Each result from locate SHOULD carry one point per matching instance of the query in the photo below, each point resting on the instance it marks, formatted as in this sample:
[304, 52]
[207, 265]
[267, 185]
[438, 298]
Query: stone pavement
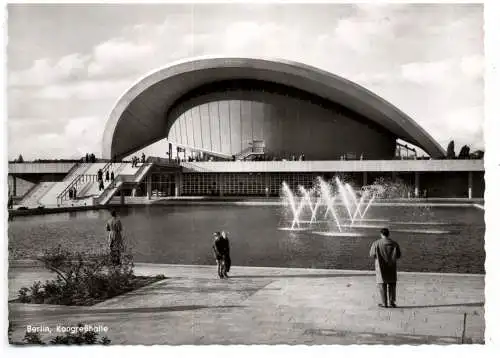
[271, 306]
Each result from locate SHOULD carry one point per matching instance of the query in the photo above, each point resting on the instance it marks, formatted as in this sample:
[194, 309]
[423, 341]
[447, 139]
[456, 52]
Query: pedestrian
[101, 184]
[99, 175]
[227, 256]
[386, 252]
[10, 203]
[143, 158]
[107, 175]
[112, 175]
[115, 239]
[219, 248]
[86, 157]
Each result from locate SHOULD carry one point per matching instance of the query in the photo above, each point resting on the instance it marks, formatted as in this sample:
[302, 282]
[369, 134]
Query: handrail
[74, 182]
[249, 151]
[82, 177]
[111, 185]
[73, 168]
[120, 178]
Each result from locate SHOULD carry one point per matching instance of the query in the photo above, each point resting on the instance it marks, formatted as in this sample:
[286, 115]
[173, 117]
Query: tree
[478, 154]
[450, 152]
[464, 152]
[20, 159]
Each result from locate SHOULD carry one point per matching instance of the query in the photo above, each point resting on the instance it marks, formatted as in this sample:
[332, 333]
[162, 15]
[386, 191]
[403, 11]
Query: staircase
[128, 175]
[256, 148]
[32, 199]
[80, 181]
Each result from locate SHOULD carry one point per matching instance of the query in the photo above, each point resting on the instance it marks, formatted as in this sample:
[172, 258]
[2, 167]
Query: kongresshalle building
[242, 126]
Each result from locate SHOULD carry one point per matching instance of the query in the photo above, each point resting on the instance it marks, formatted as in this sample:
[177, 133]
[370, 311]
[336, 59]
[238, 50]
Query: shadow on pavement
[471, 304]
[326, 275]
[105, 310]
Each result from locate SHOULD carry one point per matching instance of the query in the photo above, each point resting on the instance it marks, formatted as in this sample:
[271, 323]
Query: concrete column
[365, 178]
[178, 184]
[149, 186]
[267, 179]
[14, 186]
[219, 184]
[417, 184]
[470, 183]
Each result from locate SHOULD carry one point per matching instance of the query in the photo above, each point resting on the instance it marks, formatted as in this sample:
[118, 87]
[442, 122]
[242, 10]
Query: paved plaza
[270, 306]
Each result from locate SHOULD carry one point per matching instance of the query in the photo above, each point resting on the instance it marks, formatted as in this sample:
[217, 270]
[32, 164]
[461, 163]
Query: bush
[385, 188]
[80, 337]
[82, 279]
[33, 338]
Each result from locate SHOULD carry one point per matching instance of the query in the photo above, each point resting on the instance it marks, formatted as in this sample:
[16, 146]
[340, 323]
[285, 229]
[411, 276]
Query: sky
[67, 65]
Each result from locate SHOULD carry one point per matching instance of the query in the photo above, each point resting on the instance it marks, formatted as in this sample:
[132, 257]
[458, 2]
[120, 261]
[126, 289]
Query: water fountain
[332, 200]
[344, 210]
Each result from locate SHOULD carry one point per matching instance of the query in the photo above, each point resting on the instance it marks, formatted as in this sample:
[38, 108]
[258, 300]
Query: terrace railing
[82, 178]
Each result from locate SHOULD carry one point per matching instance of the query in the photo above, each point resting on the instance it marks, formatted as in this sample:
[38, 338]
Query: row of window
[244, 183]
[193, 184]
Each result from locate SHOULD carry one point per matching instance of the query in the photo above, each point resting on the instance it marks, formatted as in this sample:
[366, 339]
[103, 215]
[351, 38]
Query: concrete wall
[39, 168]
[338, 166]
[289, 125]
[22, 186]
[25, 182]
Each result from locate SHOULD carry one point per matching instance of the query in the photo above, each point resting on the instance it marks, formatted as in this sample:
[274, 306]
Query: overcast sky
[69, 64]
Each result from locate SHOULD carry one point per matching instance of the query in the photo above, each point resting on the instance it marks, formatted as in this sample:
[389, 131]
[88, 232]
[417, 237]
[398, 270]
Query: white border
[492, 239]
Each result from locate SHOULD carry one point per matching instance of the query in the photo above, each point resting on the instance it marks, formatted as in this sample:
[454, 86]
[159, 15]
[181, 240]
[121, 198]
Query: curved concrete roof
[139, 118]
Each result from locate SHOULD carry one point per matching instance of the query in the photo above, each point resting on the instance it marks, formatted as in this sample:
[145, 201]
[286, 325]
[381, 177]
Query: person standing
[115, 239]
[107, 175]
[220, 248]
[386, 252]
[10, 203]
[227, 256]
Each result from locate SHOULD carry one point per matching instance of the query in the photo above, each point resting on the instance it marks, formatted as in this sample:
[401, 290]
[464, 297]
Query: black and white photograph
[245, 174]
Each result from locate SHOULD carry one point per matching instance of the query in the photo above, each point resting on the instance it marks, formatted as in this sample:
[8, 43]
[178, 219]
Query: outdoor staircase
[45, 193]
[79, 182]
[128, 175]
[32, 198]
[255, 148]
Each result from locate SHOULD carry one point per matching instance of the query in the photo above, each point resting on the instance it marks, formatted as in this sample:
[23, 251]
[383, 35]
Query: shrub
[80, 337]
[385, 188]
[33, 338]
[82, 279]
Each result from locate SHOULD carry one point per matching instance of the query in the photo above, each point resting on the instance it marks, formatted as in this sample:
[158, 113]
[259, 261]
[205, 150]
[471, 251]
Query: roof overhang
[139, 117]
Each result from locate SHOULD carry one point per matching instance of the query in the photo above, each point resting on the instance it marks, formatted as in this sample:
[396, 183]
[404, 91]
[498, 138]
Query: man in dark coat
[227, 256]
[221, 252]
[386, 252]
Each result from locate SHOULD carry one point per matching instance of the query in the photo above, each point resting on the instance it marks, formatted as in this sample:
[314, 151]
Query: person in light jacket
[386, 252]
[115, 239]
